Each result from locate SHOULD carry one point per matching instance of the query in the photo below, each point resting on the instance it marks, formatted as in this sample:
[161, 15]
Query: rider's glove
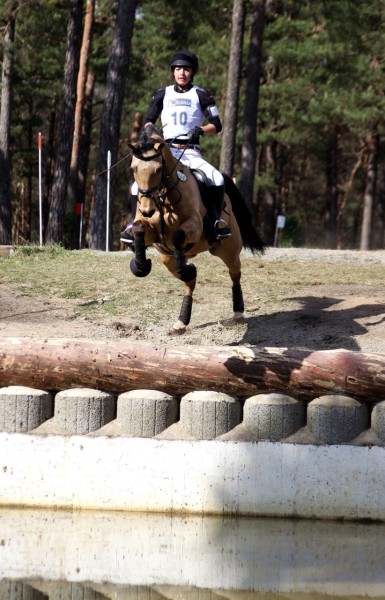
[194, 135]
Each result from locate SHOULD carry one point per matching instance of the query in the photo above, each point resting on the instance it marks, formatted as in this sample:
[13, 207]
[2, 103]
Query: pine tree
[254, 76]
[111, 118]
[233, 84]
[75, 199]
[55, 231]
[5, 120]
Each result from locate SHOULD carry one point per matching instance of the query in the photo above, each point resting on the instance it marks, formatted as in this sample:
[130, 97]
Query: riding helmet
[185, 58]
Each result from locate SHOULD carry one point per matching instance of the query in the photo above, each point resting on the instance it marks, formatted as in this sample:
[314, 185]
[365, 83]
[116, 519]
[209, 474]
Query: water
[94, 555]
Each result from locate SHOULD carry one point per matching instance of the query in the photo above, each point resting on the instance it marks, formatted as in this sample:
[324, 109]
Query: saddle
[203, 184]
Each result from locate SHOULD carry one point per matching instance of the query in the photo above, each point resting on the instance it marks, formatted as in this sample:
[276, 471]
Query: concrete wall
[270, 455]
[138, 556]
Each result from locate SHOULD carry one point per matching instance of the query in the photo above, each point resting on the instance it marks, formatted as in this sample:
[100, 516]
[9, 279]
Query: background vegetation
[319, 111]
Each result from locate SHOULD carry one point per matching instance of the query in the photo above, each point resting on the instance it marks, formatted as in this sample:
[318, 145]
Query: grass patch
[102, 283]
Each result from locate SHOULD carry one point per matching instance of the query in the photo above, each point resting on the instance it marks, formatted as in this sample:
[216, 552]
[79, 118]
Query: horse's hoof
[141, 271]
[178, 329]
[238, 316]
[188, 273]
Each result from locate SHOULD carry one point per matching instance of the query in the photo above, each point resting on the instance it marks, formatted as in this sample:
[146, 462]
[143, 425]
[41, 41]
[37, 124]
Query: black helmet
[185, 58]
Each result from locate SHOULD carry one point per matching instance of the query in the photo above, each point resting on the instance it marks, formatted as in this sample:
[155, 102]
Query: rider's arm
[210, 111]
[155, 107]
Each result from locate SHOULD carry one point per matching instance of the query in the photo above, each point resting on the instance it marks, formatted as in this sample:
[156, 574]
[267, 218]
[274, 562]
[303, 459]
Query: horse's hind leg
[236, 290]
[238, 304]
[229, 252]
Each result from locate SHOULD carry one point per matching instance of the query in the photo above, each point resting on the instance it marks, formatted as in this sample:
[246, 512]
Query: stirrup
[126, 236]
[222, 233]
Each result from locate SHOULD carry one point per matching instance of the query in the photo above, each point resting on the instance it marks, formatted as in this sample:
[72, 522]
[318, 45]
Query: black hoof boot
[188, 273]
[238, 304]
[140, 270]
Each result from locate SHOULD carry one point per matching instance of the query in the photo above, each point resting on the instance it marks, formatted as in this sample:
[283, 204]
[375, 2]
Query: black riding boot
[221, 229]
[126, 235]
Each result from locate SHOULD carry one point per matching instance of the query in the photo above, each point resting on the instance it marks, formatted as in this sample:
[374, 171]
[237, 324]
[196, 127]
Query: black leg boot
[126, 235]
[221, 228]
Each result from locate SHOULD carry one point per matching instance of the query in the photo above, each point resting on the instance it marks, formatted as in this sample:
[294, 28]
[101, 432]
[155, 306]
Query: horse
[171, 216]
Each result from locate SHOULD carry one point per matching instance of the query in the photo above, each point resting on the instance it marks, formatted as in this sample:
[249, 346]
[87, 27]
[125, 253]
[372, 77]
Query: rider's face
[183, 76]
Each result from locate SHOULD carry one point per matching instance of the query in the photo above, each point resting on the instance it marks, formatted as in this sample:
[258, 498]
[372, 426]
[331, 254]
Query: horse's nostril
[148, 213]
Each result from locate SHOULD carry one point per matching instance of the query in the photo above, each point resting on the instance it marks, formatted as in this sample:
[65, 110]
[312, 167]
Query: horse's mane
[147, 137]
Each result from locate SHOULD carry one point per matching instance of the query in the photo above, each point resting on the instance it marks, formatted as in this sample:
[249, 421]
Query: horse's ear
[135, 147]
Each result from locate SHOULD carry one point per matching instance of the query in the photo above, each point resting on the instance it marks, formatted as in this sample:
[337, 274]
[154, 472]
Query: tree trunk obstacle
[242, 371]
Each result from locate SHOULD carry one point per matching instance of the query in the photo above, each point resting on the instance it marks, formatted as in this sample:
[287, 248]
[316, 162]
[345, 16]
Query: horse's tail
[250, 237]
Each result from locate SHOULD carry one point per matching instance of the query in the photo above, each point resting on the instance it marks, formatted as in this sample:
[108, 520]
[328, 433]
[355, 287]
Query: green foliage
[323, 77]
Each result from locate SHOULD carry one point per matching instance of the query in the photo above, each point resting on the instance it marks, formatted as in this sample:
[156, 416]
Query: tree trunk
[5, 126]
[111, 117]
[379, 222]
[249, 145]
[49, 153]
[55, 230]
[370, 189]
[85, 143]
[117, 367]
[74, 197]
[269, 204]
[232, 95]
[332, 193]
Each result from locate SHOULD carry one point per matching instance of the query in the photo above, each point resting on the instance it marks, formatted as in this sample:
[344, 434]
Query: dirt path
[322, 317]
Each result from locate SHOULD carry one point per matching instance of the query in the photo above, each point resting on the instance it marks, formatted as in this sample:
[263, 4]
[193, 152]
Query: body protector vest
[181, 112]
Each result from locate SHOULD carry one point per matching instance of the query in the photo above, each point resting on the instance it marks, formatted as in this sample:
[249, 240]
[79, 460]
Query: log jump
[119, 366]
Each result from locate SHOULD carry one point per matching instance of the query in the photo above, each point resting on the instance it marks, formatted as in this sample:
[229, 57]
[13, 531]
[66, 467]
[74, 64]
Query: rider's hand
[194, 135]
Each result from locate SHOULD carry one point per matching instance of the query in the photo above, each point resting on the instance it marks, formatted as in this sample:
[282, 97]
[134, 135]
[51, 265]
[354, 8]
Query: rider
[183, 108]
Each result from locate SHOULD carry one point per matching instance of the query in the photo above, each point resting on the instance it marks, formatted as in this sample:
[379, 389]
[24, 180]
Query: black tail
[250, 237]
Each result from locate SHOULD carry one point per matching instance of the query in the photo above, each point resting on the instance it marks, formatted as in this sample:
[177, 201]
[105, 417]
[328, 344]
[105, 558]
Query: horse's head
[148, 168]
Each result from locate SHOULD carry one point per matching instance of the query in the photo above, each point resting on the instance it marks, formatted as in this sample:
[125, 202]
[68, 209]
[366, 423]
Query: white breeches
[193, 159]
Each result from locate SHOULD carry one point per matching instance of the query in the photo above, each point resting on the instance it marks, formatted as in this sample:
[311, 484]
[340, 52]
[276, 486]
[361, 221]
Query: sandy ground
[320, 318]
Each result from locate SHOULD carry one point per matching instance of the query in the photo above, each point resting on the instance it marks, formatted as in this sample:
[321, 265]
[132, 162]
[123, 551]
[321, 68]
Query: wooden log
[241, 371]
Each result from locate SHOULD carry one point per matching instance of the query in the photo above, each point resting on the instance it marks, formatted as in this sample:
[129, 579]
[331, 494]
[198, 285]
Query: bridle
[158, 193]
[164, 187]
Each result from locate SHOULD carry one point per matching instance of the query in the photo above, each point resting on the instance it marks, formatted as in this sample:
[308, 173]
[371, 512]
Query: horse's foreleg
[175, 264]
[140, 265]
[186, 309]
[186, 271]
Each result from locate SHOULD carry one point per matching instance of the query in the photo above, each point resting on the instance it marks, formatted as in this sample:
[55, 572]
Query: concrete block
[23, 408]
[337, 419]
[273, 417]
[81, 410]
[378, 420]
[207, 415]
[15, 590]
[146, 413]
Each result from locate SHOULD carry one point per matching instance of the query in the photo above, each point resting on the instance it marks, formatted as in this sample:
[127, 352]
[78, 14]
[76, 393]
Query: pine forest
[300, 86]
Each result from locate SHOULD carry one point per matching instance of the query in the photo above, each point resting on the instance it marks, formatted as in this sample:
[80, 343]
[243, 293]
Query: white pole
[108, 198]
[81, 226]
[40, 193]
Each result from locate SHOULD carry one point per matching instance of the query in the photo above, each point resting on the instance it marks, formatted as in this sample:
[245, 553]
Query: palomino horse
[171, 216]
